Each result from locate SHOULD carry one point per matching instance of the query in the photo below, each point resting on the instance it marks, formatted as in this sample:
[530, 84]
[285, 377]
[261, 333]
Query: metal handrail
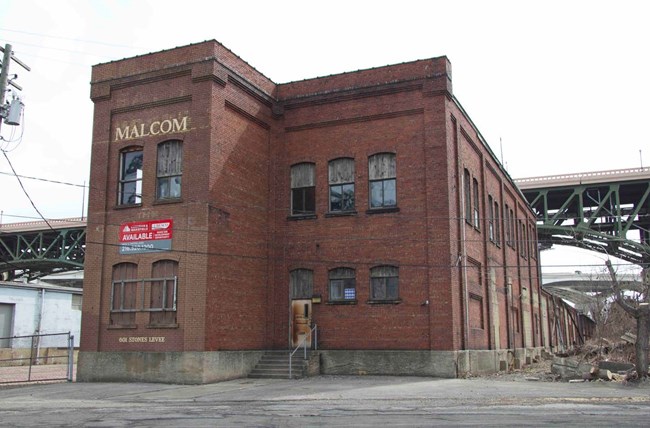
[303, 343]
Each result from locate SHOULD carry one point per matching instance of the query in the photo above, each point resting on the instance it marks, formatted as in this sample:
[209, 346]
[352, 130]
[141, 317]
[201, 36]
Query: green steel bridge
[38, 248]
[604, 211]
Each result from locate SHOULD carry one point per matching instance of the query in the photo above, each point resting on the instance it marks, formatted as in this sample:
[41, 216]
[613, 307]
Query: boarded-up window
[170, 170]
[164, 289]
[124, 294]
[476, 316]
[384, 283]
[342, 284]
[382, 174]
[303, 189]
[301, 283]
[341, 180]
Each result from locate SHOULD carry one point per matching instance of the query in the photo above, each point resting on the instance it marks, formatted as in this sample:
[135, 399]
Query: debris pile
[598, 359]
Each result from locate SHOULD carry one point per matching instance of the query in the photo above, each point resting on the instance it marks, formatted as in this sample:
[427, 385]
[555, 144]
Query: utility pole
[10, 112]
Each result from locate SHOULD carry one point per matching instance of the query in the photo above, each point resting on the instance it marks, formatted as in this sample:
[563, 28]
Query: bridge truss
[606, 211]
[36, 249]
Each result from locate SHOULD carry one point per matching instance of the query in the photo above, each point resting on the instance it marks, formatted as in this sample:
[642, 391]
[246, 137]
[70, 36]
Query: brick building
[228, 214]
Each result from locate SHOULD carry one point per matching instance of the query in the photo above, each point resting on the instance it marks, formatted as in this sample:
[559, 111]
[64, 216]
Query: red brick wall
[234, 242]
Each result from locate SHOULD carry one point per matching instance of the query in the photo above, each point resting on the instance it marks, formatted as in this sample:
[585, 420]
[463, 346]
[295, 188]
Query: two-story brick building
[228, 214]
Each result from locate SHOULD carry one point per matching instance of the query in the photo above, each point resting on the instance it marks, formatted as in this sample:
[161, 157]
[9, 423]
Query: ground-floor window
[384, 283]
[342, 285]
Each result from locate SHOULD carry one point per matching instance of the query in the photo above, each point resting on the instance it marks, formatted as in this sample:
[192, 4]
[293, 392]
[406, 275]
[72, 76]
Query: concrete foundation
[447, 364]
[207, 367]
[165, 367]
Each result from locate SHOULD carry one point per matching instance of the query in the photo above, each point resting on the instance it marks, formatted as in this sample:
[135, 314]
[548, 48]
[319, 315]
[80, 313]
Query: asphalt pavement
[327, 401]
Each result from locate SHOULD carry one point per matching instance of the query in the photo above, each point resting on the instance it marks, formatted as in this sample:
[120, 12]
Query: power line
[58, 49]
[25, 191]
[72, 39]
[45, 180]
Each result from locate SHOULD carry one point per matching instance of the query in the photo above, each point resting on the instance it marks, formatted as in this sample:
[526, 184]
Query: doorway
[300, 322]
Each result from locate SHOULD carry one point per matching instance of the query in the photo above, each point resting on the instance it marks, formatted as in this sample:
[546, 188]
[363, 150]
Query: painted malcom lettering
[157, 127]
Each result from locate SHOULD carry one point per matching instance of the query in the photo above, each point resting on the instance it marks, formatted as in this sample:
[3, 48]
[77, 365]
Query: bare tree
[639, 308]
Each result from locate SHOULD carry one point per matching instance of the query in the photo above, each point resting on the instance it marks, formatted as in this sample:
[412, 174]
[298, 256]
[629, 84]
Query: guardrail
[312, 333]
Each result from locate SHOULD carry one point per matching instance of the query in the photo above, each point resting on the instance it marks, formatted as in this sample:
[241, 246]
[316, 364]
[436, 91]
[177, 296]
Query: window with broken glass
[384, 283]
[303, 189]
[341, 180]
[342, 287]
[169, 170]
[382, 175]
[130, 183]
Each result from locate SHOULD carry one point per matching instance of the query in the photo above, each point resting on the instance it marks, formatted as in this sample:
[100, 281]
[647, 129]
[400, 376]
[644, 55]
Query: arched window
[301, 283]
[130, 183]
[382, 175]
[124, 294]
[303, 189]
[342, 284]
[341, 180]
[164, 289]
[170, 170]
[384, 283]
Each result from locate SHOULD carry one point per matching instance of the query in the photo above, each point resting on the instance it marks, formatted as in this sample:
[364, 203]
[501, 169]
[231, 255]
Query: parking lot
[326, 401]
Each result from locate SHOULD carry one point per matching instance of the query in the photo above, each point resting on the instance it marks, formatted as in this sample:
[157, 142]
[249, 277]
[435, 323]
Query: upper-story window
[382, 174]
[303, 189]
[477, 215]
[490, 207]
[170, 170]
[497, 223]
[341, 179]
[130, 185]
[467, 195]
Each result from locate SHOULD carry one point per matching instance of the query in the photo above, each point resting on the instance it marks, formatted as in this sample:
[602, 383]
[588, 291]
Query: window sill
[123, 327]
[161, 326]
[342, 302]
[382, 210]
[126, 206]
[340, 214]
[168, 201]
[302, 217]
[384, 302]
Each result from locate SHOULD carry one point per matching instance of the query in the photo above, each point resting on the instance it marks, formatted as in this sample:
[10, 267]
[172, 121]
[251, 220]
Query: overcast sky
[563, 85]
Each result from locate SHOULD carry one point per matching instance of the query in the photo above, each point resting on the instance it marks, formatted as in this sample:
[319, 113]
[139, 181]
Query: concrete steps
[275, 365]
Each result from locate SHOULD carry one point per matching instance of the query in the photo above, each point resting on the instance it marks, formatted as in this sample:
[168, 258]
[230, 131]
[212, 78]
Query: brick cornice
[351, 94]
[358, 119]
[158, 103]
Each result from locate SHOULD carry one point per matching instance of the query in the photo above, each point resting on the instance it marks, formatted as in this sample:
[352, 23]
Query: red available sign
[153, 230]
